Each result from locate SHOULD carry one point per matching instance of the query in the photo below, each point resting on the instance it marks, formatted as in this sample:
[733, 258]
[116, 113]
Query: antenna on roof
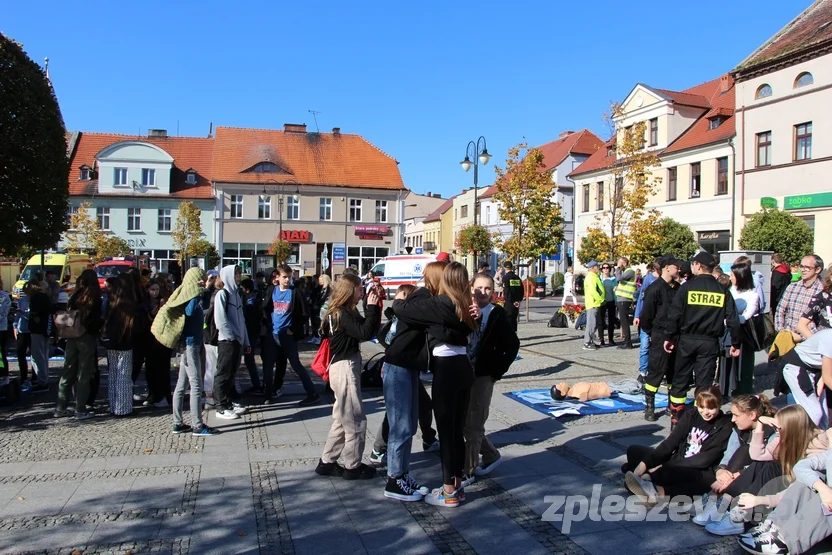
[211, 130]
[177, 128]
[46, 68]
[315, 115]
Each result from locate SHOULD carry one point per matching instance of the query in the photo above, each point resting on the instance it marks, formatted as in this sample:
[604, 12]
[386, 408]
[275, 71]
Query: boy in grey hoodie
[233, 341]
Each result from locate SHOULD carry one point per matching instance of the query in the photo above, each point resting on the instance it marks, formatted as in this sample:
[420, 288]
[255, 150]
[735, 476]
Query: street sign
[339, 253]
[325, 259]
[418, 250]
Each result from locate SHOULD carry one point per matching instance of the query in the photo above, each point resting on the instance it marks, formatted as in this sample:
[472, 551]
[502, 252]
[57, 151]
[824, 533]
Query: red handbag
[322, 360]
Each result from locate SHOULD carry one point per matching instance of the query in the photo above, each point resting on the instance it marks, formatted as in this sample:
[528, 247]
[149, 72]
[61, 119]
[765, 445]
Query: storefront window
[364, 258]
[715, 241]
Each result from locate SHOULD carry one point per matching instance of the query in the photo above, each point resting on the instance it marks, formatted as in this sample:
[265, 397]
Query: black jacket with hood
[497, 347]
[352, 329]
[298, 308]
[694, 442]
[409, 347]
[436, 315]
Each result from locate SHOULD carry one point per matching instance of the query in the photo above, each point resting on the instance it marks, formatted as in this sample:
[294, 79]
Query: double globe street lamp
[480, 156]
[280, 188]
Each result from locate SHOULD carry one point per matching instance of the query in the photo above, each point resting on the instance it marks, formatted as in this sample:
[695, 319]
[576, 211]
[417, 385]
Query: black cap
[670, 260]
[704, 258]
[686, 269]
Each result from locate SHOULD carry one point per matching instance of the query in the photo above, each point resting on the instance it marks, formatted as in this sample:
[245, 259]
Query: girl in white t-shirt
[738, 378]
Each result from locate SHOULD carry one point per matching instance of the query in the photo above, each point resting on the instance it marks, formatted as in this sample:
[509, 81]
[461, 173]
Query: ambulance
[401, 269]
[66, 268]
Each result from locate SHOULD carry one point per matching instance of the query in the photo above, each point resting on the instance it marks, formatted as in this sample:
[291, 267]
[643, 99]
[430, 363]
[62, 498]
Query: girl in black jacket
[346, 329]
[684, 463]
[81, 357]
[117, 338]
[40, 328]
[449, 319]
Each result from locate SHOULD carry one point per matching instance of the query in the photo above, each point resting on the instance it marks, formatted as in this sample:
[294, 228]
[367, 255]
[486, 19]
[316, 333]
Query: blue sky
[417, 79]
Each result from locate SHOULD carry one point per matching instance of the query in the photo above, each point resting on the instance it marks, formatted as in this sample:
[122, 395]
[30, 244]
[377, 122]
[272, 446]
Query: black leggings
[24, 342]
[674, 478]
[4, 370]
[425, 418]
[758, 478]
[452, 380]
[608, 309]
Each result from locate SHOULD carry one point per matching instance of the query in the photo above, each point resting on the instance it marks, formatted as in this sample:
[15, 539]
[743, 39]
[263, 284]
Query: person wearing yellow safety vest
[625, 293]
[595, 296]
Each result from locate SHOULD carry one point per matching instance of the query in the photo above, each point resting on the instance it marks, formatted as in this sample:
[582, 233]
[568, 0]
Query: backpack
[558, 320]
[580, 323]
[371, 376]
[68, 324]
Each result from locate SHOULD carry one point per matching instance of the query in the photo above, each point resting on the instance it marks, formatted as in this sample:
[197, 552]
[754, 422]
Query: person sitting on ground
[803, 518]
[807, 369]
[684, 463]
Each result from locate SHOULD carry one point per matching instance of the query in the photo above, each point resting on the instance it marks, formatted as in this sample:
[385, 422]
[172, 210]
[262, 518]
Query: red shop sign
[372, 230]
[371, 237]
[295, 236]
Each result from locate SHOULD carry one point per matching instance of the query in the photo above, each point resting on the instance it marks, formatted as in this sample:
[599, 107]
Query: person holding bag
[81, 357]
[346, 329]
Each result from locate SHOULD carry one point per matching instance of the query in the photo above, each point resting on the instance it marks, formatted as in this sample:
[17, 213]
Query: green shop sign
[802, 202]
[768, 202]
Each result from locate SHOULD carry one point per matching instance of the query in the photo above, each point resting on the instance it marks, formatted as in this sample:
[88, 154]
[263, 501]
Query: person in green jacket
[595, 297]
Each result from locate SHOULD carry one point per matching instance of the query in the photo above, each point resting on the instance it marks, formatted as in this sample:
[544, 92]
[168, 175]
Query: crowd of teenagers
[701, 327]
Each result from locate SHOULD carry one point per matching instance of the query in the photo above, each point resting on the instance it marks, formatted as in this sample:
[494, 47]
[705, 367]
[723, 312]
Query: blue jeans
[287, 350]
[643, 351]
[401, 397]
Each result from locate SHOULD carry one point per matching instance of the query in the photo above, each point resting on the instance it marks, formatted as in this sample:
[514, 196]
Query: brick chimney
[725, 83]
[565, 134]
[294, 128]
[336, 130]
[157, 133]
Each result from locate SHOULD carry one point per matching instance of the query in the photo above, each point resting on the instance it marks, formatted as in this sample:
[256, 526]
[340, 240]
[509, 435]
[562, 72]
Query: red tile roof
[808, 31]
[187, 152]
[583, 142]
[436, 214]
[489, 192]
[709, 97]
[329, 159]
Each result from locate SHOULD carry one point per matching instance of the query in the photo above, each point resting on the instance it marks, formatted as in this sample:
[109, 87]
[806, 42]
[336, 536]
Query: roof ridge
[139, 137]
[783, 30]
[282, 131]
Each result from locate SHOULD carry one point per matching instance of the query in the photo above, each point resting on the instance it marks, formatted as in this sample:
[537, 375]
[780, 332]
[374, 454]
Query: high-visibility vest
[626, 290]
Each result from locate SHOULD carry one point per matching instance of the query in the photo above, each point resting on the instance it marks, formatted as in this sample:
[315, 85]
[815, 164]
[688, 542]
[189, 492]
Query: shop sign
[295, 236]
[768, 202]
[371, 237]
[137, 243]
[714, 236]
[365, 230]
[802, 202]
[339, 253]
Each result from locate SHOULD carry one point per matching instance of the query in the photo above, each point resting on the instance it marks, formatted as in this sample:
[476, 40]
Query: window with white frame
[356, 204]
[85, 173]
[120, 176]
[381, 211]
[487, 215]
[164, 219]
[236, 206]
[134, 219]
[292, 208]
[190, 178]
[73, 210]
[264, 207]
[102, 213]
[148, 177]
[326, 209]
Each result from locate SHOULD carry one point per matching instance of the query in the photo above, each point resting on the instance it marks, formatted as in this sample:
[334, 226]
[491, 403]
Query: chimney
[294, 128]
[565, 134]
[437, 195]
[428, 195]
[157, 132]
[336, 130]
[725, 83]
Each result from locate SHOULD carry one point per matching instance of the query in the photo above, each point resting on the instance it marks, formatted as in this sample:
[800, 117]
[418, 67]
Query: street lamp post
[480, 156]
[279, 187]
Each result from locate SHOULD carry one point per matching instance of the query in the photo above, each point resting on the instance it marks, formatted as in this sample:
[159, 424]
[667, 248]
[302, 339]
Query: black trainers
[312, 399]
[400, 489]
[360, 472]
[181, 428]
[205, 431]
[329, 469]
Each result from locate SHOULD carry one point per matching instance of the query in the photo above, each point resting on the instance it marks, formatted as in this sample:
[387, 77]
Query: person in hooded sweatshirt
[233, 342]
[684, 463]
[781, 277]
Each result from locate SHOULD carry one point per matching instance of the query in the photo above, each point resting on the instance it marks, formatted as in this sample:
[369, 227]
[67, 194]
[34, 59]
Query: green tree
[473, 238]
[595, 245]
[627, 222]
[676, 239]
[774, 230]
[34, 179]
[187, 230]
[110, 245]
[526, 199]
[204, 247]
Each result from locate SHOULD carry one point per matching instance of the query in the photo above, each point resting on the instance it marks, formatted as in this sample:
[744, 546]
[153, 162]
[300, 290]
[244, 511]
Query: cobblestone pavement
[128, 485]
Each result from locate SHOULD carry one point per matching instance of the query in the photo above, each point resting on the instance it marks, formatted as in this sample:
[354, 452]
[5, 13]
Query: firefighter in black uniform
[656, 302]
[513, 294]
[696, 323]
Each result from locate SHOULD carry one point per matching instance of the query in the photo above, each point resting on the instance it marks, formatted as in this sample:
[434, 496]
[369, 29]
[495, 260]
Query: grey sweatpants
[591, 325]
[800, 519]
[190, 373]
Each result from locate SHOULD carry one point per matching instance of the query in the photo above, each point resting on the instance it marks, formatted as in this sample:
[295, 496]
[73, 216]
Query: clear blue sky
[418, 79]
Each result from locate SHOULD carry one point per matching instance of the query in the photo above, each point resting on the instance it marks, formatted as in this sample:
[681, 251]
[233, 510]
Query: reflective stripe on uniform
[678, 400]
[515, 283]
[651, 388]
[704, 298]
[626, 289]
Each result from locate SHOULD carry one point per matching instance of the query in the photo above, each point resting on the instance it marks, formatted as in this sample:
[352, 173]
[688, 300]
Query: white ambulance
[401, 269]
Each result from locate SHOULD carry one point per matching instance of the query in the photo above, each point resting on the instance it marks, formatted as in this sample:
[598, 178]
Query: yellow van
[65, 266]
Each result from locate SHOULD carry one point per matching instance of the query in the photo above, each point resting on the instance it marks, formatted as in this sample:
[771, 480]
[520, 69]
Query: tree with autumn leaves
[187, 230]
[525, 198]
[85, 236]
[626, 227]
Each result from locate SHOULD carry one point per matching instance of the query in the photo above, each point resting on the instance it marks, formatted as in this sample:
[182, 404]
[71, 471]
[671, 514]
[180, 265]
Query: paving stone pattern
[127, 485]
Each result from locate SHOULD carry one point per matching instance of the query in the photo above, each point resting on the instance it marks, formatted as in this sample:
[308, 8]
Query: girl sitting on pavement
[684, 463]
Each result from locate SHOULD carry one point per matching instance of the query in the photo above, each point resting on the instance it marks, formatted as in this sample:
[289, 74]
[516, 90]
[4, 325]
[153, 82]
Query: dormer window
[715, 122]
[265, 167]
[190, 177]
[610, 151]
[86, 173]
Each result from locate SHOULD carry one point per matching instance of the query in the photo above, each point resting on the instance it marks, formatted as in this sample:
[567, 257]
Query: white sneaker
[641, 488]
[710, 512]
[486, 470]
[227, 414]
[239, 408]
[138, 398]
[726, 526]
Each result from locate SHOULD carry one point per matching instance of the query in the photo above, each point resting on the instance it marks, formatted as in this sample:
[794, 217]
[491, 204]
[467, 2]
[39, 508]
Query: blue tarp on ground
[541, 401]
